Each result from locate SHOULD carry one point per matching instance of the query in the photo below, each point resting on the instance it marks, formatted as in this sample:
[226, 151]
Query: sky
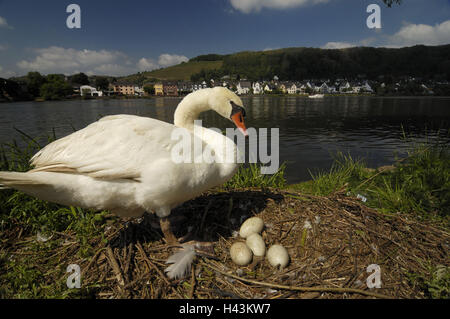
[120, 38]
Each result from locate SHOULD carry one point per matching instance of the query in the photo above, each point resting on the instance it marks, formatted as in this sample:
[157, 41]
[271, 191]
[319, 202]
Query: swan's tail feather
[12, 179]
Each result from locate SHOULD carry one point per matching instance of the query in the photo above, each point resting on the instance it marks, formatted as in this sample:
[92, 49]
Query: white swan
[122, 163]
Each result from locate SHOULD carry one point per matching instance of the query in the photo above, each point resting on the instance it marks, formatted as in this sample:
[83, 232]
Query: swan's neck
[190, 108]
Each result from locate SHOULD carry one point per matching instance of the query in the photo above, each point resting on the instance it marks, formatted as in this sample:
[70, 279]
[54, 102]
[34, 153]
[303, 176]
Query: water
[311, 130]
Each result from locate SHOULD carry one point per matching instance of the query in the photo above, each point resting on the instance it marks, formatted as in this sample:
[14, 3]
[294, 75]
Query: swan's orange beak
[238, 120]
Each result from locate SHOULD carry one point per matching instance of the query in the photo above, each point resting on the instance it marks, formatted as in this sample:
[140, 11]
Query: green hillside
[428, 62]
[182, 71]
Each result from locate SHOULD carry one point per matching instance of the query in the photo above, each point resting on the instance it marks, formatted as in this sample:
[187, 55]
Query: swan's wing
[115, 147]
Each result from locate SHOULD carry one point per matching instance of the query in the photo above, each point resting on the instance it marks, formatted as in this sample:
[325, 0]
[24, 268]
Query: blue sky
[119, 38]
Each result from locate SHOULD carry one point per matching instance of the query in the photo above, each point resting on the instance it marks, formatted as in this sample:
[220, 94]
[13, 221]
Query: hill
[429, 62]
[182, 71]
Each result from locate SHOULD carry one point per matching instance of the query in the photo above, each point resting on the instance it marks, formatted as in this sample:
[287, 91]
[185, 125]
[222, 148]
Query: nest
[331, 242]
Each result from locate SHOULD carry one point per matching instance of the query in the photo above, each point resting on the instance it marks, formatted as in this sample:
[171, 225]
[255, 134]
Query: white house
[324, 88]
[345, 88]
[86, 90]
[243, 87]
[268, 88]
[257, 88]
[139, 90]
[291, 89]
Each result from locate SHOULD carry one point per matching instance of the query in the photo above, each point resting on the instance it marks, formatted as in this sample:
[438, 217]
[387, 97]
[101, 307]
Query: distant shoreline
[244, 95]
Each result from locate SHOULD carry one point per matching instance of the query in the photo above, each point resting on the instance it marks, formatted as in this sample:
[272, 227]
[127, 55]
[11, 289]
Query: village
[415, 86]
[245, 87]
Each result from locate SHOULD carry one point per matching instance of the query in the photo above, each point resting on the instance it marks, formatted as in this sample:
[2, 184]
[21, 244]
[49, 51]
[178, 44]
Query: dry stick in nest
[296, 288]
[115, 266]
[160, 273]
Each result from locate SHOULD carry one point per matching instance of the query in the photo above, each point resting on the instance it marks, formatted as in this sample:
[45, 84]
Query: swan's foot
[205, 249]
[166, 229]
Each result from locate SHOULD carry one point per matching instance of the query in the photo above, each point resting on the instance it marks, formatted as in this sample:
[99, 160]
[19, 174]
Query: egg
[251, 226]
[278, 256]
[241, 254]
[256, 244]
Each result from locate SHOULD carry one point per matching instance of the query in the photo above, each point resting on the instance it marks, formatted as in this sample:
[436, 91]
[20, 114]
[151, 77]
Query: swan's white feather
[181, 262]
[123, 163]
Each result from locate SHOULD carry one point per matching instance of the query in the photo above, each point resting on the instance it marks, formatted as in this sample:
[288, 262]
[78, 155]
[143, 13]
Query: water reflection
[310, 129]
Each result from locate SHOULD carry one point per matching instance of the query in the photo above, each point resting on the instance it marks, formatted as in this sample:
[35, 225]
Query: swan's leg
[166, 228]
[204, 248]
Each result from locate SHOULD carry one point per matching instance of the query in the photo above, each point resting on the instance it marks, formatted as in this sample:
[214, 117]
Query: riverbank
[123, 97]
[334, 226]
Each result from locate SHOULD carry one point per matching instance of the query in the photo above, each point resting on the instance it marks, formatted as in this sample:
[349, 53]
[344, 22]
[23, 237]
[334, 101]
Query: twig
[115, 266]
[191, 291]
[93, 259]
[296, 288]
[160, 273]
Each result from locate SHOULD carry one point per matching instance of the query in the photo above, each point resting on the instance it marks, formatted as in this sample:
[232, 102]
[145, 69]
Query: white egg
[256, 244]
[241, 254]
[251, 226]
[278, 256]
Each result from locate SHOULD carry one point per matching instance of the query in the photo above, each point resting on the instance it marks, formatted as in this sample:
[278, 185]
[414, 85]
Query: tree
[80, 78]
[149, 89]
[102, 83]
[34, 81]
[55, 87]
[390, 2]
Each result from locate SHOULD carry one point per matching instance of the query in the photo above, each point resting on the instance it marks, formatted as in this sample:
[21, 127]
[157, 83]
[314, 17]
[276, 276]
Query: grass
[181, 71]
[418, 185]
[250, 176]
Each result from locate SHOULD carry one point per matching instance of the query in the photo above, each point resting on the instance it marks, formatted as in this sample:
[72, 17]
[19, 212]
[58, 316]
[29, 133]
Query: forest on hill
[428, 62]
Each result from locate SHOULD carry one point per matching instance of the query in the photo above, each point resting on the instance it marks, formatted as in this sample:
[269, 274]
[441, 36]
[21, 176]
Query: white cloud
[248, 6]
[338, 45]
[68, 61]
[270, 49]
[145, 64]
[5, 73]
[166, 60]
[3, 47]
[4, 23]
[102, 62]
[412, 34]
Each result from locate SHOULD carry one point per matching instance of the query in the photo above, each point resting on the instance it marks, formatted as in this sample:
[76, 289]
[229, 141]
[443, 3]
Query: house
[139, 90]
[268, 87]
[332, 89]
[170, 89]
[292, 88]
[283, 87]
[345, 87]
[185, 87]
[159, 89]
[367, 88]
[243, 87]
[310, 87]
[257, 88]
[324, 88]
[86, 90]
[124, 89]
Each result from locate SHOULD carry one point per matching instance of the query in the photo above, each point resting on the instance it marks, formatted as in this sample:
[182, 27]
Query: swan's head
[230, 106]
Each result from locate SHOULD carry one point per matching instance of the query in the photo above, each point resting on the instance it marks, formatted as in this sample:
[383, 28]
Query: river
[311, 130]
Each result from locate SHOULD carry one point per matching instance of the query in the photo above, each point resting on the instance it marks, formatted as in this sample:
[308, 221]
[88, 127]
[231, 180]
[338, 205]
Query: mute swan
[123, 164]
